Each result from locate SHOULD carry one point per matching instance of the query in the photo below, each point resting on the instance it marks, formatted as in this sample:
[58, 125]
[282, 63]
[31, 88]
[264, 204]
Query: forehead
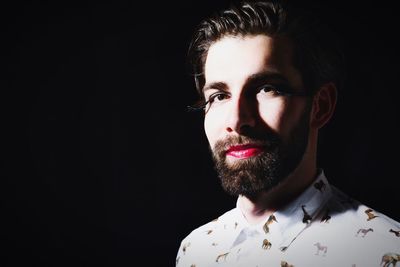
[234, 58]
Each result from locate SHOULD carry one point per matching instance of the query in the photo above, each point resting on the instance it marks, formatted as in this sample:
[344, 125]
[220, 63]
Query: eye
[217, 97]
[270, 90]
[206, 103]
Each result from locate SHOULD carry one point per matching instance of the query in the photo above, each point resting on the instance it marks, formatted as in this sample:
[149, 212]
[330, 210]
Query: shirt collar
[291, 220]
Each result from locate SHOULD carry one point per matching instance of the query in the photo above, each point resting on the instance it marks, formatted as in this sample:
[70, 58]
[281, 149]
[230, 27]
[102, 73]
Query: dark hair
[317, 50]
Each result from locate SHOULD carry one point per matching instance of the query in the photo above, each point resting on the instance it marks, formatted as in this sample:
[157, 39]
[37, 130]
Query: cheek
[283, 117]
[211, 129]
[272, 115]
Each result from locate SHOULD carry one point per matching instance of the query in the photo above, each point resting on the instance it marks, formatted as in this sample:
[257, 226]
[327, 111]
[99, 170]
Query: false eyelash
[199, 106]
[192, 108]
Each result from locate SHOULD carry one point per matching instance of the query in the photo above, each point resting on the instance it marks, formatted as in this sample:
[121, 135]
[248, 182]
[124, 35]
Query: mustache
[267, 140]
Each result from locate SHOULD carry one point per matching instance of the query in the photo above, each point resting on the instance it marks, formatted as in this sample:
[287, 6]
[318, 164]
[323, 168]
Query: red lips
[244, 151]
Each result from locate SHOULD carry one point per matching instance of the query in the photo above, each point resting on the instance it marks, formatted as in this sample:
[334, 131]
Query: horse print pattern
[370, 214]
[396, 233]
[322, 248]
[390, 259]
[364, 231]
[367, 237]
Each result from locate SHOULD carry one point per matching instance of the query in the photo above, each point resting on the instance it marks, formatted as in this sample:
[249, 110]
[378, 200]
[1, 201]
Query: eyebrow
[215, 85]
[265, 76]
[256, 79]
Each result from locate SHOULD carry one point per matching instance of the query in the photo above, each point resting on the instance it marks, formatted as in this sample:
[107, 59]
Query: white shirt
[321, 227]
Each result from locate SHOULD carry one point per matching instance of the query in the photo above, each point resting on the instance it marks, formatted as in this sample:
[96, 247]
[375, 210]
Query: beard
[266, 170]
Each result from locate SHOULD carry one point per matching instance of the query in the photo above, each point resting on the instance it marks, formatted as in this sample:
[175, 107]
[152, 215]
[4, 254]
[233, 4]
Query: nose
[242, 115]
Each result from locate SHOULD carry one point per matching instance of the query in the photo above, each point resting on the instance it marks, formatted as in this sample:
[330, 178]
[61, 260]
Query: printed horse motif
[266, 244]
[322, 248]
[390, 259]
[364, 231]
[370, 214]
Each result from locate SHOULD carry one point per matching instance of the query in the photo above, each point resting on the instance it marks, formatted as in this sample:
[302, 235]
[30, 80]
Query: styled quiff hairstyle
[317, 51]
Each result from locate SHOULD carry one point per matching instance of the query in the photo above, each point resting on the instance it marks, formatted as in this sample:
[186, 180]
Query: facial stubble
[266, 170]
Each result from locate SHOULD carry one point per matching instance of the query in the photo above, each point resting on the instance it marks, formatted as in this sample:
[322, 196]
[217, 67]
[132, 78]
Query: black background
[102, 164]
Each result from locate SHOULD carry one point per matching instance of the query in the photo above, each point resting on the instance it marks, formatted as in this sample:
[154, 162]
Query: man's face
[257, 136]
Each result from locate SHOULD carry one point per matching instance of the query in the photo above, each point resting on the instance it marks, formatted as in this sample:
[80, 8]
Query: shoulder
[205, 241]
[214, 225]
[362, 233]
[363, 221]
[344, 205]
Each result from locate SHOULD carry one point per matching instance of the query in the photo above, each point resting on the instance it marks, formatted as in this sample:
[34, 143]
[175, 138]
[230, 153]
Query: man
[268, 76]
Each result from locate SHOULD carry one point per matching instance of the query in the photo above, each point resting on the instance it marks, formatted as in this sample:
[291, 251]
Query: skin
[230, 66]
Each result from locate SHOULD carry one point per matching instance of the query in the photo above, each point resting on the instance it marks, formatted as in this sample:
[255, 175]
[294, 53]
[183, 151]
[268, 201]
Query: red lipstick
[244, 151]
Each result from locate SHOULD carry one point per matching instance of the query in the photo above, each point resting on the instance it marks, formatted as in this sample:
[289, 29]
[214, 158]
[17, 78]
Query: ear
[324, 103]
